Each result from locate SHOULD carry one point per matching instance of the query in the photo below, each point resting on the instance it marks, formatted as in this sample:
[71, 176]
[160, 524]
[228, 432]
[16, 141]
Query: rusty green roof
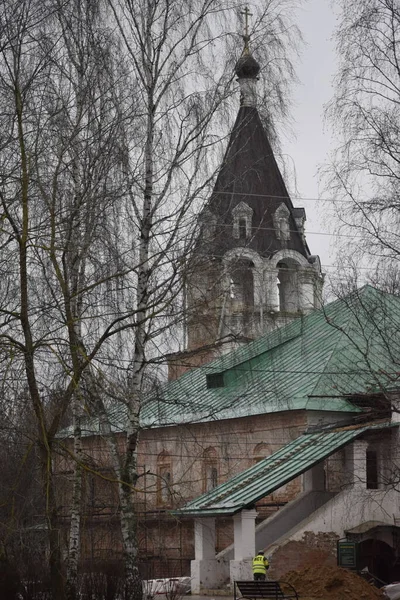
[246, 488]
[351, 346]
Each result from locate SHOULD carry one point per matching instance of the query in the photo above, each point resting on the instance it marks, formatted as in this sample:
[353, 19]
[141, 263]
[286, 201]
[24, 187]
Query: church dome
[247, 67]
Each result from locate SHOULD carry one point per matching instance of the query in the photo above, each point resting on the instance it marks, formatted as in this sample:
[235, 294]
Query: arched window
[281, 222]
[242, 229]
[210, 469]
[242, 282]
[164, 478]
[242, 221]
[261, 451]
[288, 286]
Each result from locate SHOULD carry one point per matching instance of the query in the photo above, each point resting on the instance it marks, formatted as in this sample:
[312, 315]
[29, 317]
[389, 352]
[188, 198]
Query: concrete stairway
[279, 524]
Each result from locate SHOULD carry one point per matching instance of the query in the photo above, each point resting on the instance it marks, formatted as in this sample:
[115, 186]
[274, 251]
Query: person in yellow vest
[260, 566]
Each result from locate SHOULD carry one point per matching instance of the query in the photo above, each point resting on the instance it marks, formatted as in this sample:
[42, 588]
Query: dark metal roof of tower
[250, 174]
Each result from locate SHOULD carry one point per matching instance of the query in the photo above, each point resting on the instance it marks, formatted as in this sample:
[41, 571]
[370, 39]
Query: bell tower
[251, 270]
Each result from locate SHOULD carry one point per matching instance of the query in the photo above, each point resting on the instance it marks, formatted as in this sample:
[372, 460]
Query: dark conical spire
[250, 174]
[250, 181]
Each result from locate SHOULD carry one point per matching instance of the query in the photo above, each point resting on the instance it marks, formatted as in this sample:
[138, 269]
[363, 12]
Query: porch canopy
[243, 490]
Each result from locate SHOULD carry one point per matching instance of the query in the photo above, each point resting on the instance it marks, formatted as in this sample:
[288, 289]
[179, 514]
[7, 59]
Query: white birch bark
[126, 494]
[75, 524]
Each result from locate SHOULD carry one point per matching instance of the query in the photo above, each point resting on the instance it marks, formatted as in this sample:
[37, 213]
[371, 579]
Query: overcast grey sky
[313, 142]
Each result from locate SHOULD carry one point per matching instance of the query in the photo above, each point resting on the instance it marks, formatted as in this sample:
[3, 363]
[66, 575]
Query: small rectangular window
[215, 380]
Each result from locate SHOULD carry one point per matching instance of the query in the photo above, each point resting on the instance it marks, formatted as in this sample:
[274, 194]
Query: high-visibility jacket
[260, 564]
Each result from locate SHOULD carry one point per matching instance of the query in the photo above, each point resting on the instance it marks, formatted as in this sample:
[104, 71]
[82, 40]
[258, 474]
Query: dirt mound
[333, 583]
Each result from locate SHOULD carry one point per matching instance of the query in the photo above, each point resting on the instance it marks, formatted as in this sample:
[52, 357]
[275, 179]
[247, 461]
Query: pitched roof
[352, 346]
[271, 473]
[250, 174]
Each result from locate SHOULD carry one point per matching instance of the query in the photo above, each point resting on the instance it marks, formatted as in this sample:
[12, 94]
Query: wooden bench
[258, 590]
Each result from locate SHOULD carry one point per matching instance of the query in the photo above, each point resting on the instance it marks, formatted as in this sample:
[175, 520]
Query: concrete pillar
[271, 290]
[395, 404]
[258, 287]
[319, 283]
[306, 289]
[289, 288]
[244, 528]
[359, 463]
[248, 533]
[204, 538]
[237, 537]
[205, 570]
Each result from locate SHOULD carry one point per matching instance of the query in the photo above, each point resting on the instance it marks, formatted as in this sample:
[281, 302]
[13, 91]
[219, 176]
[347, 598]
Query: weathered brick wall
[181, 362]
[166, 543]
[234, 441]
[205, 298]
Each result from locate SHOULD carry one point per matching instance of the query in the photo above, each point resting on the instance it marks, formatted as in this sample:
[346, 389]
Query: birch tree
[61, 120]
[364, 112]
[112, 118]
[183, 61]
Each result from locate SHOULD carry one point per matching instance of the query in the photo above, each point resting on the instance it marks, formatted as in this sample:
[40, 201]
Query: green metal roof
[246, 488]
[350, 346]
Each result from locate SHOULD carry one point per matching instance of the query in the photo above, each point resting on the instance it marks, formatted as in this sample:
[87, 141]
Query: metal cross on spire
[246, 12]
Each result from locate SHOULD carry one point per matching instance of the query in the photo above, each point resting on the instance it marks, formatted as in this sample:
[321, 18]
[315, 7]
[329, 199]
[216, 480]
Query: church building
[278, 428]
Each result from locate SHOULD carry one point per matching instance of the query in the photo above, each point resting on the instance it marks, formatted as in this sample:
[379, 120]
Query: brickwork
[234, 441]
[336, 472]
[181, 362]
[205, 300]
[165, 542]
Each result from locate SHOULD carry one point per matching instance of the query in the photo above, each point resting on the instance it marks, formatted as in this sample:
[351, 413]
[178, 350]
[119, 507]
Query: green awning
[246, 488]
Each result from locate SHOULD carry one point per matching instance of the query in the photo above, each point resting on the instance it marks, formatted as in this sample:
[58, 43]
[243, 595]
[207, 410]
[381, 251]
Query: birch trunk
[75, 525]
[130, 475]
[128, 522]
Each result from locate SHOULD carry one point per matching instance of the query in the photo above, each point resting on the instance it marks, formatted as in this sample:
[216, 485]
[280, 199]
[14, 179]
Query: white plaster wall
[241, 569]
[207, 574]
[319, 418]
[345, 511]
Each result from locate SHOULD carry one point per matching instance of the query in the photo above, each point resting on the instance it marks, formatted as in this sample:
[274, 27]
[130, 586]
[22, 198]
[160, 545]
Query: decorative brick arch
[255, 271]
[288, 254]
[261, 451]
[243, 254]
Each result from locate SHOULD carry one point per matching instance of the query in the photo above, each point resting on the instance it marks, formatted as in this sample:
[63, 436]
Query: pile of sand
[333, 583]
